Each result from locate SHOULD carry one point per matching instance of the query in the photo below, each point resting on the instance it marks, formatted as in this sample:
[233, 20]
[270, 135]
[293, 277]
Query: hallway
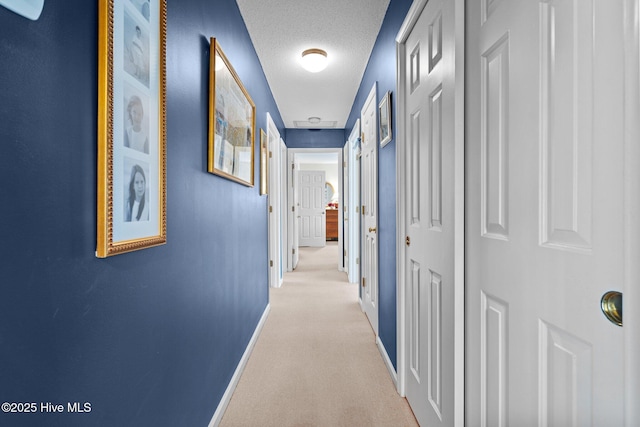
[316, 362]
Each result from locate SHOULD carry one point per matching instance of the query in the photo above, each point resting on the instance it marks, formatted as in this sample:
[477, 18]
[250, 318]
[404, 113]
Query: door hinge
[363, 282]
[293, 166]
[270, 263]
[345, 253]
[344, 164]
[362, 209]
[270, 154]
[293, 251]
[362, 138]
[270, 209]
[357, 261]
[293, 208]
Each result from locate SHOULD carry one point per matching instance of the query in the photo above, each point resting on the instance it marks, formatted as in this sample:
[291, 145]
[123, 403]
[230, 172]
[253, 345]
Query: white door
[295, 212]
[285, 249]
[312, 209]
[429, 214]
[275, 236]
[353, 205]
[369, 159]
[344, 206]
[546, 208]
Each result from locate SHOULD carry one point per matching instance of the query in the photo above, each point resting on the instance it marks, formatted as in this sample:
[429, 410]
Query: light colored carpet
[316, 362]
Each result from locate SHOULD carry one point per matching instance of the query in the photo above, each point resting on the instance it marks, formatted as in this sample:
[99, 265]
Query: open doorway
[328, 161]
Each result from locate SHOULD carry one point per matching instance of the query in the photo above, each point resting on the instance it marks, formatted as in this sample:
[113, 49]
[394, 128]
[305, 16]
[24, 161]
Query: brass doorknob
[372, 229]
[611, 305]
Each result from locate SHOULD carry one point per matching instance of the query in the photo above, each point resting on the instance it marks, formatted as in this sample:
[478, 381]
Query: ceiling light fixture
[314, 60]
[30, 9]
[314, 120]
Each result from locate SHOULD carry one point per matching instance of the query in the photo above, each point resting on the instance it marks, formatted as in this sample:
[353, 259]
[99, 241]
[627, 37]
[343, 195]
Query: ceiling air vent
[305, 124]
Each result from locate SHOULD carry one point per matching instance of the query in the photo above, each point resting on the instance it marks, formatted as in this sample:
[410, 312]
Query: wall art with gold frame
[232, 121]
[131, 125]
[264, 163]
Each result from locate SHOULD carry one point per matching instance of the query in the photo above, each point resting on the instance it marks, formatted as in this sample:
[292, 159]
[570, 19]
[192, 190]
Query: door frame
[410, 20]
[291, 152]
[293, 249]
[283, 211]
[344, 198]
[631, 288]
[353, 228]
[372, 99]
[273, 209]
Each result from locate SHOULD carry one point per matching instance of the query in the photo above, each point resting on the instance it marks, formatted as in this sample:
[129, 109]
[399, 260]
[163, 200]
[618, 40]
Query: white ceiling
[281, 29]
[317, 158]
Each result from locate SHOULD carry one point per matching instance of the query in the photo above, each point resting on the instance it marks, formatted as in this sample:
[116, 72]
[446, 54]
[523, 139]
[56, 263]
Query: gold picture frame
[232, 121]
[384, 109]
[264, 163]
[131, 125]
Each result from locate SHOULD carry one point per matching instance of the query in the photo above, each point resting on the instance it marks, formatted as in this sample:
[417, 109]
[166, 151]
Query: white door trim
[408, 24]
[291, 156]
[284, 217]
[293, 168]
[353, 251]
[631, 290]
[274, 232]
[344, 202]
[370, 268]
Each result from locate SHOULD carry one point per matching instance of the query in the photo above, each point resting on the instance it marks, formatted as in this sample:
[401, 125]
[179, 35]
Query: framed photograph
[264, 163]
[131, 125]
[385, 119]
[232, 121]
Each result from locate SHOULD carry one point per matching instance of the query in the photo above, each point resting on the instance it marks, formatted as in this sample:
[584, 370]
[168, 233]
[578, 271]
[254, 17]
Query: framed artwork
[232, 121]
[384, 109]
[264, 163]
[131, 125]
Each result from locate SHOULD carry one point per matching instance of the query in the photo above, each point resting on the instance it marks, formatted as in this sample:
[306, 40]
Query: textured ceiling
[317, 158]
[281, 29]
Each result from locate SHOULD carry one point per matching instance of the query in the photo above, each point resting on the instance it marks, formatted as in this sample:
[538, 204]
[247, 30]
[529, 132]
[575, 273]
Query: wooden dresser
[332, 224]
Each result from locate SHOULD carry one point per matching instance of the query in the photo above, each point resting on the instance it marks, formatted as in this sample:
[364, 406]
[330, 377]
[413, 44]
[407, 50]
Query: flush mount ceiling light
[314, 60]
[30, 9]
[314, 120]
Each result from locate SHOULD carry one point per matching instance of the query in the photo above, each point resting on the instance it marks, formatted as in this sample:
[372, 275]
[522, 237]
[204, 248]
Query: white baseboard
[226, 398]
[387, 362]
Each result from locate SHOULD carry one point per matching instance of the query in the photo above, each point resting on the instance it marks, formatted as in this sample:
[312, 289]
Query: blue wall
[150, 337]
[382, 68]
[314, 138]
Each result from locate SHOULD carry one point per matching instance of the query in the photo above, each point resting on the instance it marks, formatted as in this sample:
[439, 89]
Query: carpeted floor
[316, 362]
